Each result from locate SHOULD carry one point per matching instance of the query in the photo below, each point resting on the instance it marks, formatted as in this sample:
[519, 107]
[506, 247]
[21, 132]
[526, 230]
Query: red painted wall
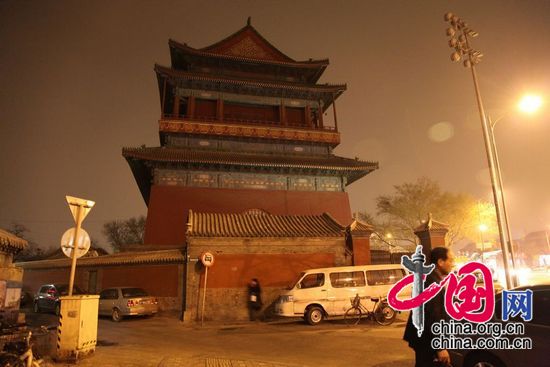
[33, 279]
[272, 270]
[361, 251]
[158, 280]
[169, 207]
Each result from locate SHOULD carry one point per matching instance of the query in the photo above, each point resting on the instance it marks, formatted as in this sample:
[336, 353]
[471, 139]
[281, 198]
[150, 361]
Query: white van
[326, 292]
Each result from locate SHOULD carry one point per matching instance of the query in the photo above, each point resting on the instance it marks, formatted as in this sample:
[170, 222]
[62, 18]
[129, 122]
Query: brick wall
[162, 281]
[276, 262]
[169, 207]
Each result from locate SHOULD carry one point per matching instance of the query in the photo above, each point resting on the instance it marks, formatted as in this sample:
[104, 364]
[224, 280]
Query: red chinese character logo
[464, 297]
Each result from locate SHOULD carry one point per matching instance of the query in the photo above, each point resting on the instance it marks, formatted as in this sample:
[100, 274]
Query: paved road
[162, 341]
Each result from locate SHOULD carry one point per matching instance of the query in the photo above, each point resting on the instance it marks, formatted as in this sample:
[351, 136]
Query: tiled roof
[93, 251]
[121, 258]
[217, 50]
[256, 42]
[431, 225]
[175, 155]
[358, 227]
[11, 242]
[262, 225]
[330, 88]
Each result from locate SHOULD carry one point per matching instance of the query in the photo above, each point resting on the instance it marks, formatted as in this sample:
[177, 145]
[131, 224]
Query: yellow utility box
[77, 331]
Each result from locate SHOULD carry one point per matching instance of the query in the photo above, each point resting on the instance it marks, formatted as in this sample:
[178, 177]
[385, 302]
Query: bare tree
[401, 212]
[33, 251]
[125, 232]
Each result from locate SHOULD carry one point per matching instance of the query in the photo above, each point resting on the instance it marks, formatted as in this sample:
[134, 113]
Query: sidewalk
[163, 341]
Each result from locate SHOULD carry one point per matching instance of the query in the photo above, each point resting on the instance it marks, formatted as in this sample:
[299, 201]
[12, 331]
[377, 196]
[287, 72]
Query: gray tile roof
[262, 225]
[121, 258]
[10, 242]
[176, 155]
[432, 225]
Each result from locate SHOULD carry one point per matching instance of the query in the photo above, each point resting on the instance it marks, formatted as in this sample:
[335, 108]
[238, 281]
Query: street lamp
[528, 104]
[459, 33]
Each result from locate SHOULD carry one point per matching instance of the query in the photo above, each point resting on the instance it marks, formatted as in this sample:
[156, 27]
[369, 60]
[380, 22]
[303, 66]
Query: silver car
[118, 302]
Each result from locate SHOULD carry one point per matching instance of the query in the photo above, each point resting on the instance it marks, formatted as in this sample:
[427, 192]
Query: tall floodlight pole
[492, 125]
[472, 57]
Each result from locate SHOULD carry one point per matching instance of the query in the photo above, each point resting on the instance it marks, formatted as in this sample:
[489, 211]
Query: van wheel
[57, 309]
[116, 316]
[314, 315]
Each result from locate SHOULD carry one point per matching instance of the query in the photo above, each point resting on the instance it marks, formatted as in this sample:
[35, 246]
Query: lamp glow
[530, 103]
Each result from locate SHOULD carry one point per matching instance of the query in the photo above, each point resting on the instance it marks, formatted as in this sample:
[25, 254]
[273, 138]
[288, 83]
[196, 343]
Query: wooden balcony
[248, 128]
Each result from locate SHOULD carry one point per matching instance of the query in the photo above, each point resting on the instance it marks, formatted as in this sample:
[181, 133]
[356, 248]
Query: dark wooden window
[296, 116]
[205, 108]
[183, 106]
[250, 112]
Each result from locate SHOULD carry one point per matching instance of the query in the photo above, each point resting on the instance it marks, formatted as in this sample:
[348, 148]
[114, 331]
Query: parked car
[119, 302]
[47, 297]
[327, 292]
[536, 329]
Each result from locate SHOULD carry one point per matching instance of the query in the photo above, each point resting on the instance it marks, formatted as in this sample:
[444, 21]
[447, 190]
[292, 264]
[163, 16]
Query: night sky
[77, 84]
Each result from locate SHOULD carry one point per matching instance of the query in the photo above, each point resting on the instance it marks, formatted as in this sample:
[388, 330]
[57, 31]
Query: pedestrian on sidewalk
[254, 299]
[434, 311]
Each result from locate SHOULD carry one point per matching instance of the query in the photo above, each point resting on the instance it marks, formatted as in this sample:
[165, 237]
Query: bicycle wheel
[384, 314]
[352, 316]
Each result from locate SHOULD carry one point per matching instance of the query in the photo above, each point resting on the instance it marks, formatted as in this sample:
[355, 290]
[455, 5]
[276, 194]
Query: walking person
[254, 298]
[434, 311]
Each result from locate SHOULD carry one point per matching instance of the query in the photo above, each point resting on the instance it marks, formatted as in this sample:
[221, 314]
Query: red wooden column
[191, 106]
[308, 116]
[334, 110]
[219, 110]
[163, 111]
[176, 107]
[282, 113]
[320, 113]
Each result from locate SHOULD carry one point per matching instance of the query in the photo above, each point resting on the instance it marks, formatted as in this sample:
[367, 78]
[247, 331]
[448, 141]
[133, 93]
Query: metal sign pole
[75, 247]
[204, 295]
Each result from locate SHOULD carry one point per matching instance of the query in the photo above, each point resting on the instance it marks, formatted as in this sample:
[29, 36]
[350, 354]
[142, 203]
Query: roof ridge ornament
[249, 21]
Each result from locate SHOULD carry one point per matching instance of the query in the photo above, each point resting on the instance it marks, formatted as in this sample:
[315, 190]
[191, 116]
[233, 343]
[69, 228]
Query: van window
[347, 279]
[313, 280]
[384, 276]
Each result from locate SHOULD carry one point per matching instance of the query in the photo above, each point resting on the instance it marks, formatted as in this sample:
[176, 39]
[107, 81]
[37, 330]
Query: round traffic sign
[207, 259]
[67, 242]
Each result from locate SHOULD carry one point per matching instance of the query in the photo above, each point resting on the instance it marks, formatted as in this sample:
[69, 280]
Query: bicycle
[20, 354]
[381, 312]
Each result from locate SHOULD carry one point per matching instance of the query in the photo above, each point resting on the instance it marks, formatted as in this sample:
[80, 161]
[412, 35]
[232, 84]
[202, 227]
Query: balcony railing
[241, 121]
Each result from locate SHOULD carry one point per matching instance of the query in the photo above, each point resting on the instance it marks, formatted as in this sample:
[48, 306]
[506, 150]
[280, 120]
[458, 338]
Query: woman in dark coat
[254, 298]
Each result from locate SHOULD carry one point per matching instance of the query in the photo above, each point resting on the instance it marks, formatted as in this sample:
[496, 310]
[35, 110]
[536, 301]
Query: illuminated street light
[472, 57]
[530, 103]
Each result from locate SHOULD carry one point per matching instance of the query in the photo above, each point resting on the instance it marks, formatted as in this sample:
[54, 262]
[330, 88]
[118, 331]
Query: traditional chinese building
[245, 170]
[242, 127]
